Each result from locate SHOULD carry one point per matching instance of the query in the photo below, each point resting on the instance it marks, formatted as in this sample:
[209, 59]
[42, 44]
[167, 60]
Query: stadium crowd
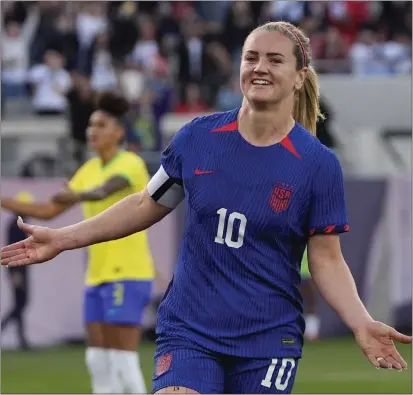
[176, 56]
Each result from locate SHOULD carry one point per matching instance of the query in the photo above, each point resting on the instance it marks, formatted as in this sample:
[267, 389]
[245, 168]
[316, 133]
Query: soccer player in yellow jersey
[308, 289]
[120, 272]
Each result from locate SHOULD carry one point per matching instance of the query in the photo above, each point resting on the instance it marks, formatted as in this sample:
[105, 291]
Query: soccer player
[259, 187]
[309, 292]
[120, 273]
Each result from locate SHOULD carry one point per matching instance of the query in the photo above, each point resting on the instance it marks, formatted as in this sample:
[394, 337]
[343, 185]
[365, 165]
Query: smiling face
[269, 68]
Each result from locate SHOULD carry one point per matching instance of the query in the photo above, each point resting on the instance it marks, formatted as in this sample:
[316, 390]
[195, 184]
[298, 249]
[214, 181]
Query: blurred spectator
[168, 50]
[15, 62]
[373, 54]
[397, 55]
[330, 52]
[146, 49]
[191, 52]
[154, 103]
[213, 14]
[81, 106]
[396, 16]
[230, 95]
[145, 120]
[46, 36]
[362, 55]
[18, 277]
[103, 73]
[193, 102]
[50, 83]
[65, 39]
[156, 51]
[348, 17]
[290, 11]
[90, 22]
[122, 30]
[219, 68]
[14, 10]
[167, 25]
[238, 25]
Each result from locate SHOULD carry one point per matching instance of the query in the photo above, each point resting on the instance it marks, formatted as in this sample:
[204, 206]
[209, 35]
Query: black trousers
[18, 278]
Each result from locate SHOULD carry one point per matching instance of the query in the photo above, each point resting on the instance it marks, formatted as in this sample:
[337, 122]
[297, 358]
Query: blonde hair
[306, 109]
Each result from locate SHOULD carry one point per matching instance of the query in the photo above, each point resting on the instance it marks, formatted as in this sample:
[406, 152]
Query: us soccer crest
[280, 197]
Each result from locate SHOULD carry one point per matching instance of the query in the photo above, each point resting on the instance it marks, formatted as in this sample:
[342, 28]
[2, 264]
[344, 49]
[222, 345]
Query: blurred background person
[19, 280]
[81, 104]
[192, 102]
[15, 59]
[50, 83]
[120, 273]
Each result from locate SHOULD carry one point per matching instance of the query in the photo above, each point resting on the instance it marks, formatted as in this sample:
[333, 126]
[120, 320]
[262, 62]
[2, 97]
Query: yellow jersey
[128, 258]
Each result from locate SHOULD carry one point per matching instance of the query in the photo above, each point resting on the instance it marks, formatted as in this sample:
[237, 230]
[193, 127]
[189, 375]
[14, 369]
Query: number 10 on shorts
[283, 375]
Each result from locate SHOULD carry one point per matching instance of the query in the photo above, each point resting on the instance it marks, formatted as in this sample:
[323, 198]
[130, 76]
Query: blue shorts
[121, 302]
[181, 363]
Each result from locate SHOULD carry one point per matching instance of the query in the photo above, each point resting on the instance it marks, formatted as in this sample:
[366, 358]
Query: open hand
[42, 245]
[376, 341]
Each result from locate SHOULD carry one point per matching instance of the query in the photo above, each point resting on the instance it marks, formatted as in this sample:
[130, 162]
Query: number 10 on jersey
[231, 240]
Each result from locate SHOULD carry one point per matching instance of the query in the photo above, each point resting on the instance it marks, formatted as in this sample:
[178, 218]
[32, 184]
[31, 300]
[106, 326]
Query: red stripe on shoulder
[230, 127]
[286, 143]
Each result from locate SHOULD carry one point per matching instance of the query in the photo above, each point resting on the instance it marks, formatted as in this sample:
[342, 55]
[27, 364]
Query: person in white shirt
[103, 71]
[15, 41]
[50, 83]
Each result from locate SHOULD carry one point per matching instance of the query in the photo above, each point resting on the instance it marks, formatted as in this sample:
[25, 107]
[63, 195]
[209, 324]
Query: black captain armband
[165, 190]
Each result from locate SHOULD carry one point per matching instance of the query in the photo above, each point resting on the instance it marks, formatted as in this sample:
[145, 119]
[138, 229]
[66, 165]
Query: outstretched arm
[62, 201]
[334, 280]
[336, 284]
[133, 214]
[44, 211]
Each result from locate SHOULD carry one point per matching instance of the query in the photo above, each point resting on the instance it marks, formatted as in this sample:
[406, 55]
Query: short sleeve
[327, 211]
[134, 171]
[76, 182]
[172, 156]
[166, 186]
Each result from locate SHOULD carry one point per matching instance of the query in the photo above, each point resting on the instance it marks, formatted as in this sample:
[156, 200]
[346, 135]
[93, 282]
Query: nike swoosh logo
[201, 172]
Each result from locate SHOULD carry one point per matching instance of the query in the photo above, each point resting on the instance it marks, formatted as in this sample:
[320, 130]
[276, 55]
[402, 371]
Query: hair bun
[112, 103]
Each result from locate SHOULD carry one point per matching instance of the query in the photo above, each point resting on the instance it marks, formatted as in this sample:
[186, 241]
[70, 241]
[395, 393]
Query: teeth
[260, 82]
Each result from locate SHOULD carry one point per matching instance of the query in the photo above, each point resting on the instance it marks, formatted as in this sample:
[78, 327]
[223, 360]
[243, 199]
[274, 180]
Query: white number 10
[222, 212]
[279, 384]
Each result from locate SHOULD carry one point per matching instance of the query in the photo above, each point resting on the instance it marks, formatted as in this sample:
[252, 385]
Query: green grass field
[330, 367]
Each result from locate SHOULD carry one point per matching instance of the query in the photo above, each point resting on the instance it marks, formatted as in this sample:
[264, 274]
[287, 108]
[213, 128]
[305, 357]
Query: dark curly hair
[113, 104]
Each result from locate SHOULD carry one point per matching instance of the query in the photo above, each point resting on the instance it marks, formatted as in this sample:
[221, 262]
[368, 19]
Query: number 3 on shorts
[287, 364]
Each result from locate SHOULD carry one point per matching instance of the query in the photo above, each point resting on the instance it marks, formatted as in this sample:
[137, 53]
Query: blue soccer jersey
[249, 213]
